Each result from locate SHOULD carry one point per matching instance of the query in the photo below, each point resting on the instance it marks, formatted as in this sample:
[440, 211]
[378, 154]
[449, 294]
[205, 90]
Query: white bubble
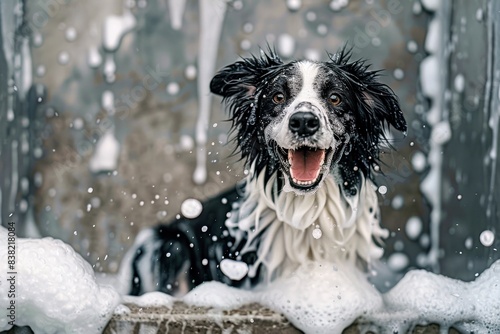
[322, 29]
[398, 261]
[204, 262]
[413, 227]
[286, 45]
[248, 27]
[94, 58]
[399, 74]
[191, 208]
[312, 54]
[337, 5]
[417, 8]
[459, 83]
[382, 190]
[63, 58]
[190, 72]
[293, 5]
[70, 34]
[173, 88]
[186, 142]
[235, 270]
[204, 228]
[487, 238]
[316, 233]
[397, 202]
[311, 16]
[90, 190]
[412, 46]
[78, 123]
[469, 243]
[40, 71]
[418, 161]
[237, 5]
[479, 14]
[95, 202]
[37, 39]
[246, 44]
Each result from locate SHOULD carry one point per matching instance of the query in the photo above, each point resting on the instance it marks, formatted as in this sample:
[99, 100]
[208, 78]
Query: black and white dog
[310, 134]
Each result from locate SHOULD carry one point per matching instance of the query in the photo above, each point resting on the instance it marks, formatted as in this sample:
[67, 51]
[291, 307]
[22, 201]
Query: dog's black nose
[304, 123]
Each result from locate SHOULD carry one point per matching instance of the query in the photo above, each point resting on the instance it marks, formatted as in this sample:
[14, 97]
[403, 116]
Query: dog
[310, 134]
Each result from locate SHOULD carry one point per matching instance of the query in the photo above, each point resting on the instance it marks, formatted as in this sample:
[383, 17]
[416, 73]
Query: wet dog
[310, 133]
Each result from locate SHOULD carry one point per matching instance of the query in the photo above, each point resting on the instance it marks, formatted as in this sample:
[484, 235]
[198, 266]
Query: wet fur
[267, 222]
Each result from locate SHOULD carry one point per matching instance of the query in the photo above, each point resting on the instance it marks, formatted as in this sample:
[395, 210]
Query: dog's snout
[304, 123]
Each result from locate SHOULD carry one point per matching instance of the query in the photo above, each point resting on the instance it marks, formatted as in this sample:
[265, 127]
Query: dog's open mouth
[305, 166]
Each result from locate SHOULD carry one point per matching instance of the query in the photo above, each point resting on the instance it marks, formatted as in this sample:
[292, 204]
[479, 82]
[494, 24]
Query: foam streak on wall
[432, 78]
[211, 17]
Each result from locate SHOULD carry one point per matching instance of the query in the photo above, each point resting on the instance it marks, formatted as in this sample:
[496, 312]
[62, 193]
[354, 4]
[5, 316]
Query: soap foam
[422, 297]
[318, 297]
[55, 289]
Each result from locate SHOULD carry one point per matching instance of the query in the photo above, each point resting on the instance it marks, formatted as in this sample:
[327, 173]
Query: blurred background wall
[107, 125]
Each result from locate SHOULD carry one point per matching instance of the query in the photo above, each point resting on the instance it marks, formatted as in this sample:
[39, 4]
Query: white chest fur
[285, 229]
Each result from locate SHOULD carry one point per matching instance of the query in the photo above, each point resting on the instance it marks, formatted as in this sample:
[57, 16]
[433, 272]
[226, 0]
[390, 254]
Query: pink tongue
[305, 163]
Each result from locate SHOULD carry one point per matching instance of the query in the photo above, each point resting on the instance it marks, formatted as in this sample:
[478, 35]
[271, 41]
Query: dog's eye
[334, 99]
[279, 98]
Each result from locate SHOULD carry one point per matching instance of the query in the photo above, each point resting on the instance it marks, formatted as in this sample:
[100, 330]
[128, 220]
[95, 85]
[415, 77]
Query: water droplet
[204, 228]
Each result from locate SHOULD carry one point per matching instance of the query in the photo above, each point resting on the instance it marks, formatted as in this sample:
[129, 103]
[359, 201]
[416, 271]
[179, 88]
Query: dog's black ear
[239, 80]
[383, 104]
[378, 101]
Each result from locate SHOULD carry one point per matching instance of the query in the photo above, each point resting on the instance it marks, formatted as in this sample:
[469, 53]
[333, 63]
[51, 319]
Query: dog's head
[308, 119]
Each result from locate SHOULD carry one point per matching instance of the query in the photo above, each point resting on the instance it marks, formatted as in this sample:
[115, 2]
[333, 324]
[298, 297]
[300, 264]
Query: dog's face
[307, 119]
